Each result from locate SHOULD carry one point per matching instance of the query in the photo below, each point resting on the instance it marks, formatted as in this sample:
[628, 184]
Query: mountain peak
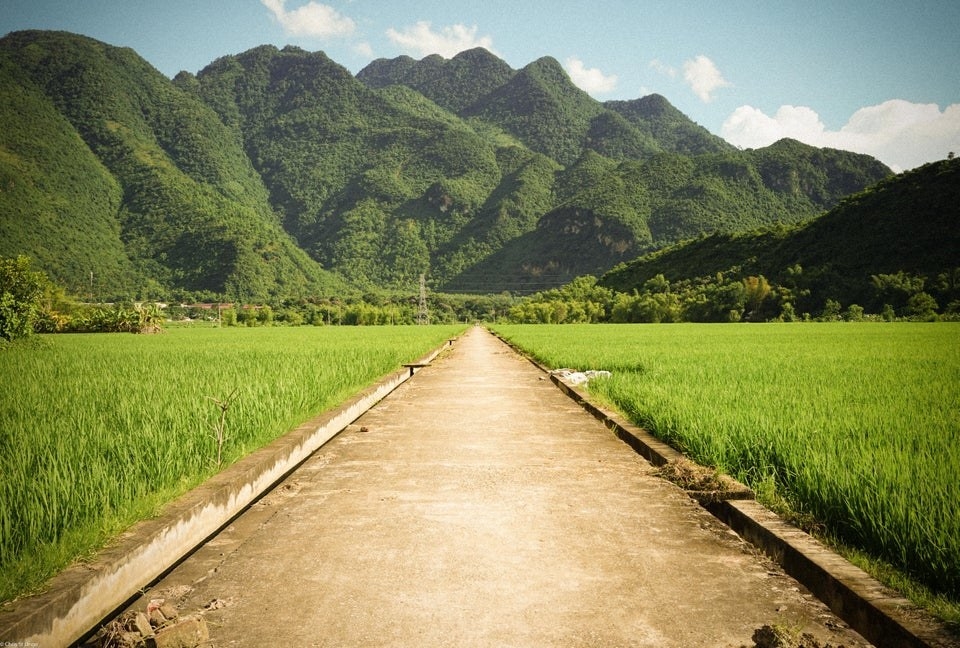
[546, 66]
[655, 104]
[477, 54]
[453, 84]
[650, 107]
[656, 117]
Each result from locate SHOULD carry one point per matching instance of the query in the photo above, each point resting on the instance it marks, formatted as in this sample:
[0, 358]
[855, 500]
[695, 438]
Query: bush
[21, 291]
[923, 307]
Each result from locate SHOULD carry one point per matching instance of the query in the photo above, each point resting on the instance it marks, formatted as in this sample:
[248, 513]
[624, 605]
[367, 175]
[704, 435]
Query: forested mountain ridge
[544, 109]
[878, 248]
[150, 191]
[454, 84]
[657, 118]
[400, 178]
[248, 177]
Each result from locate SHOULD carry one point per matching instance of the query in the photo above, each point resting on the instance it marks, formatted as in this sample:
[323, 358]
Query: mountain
[659, 121]
[58, 202]
[126, 184]
[541, 107]
[904, 229]
[276, 173]
[608, 212]
[453, 84]
[373, 183]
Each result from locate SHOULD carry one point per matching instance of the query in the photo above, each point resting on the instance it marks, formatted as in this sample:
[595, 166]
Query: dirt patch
[781, 637]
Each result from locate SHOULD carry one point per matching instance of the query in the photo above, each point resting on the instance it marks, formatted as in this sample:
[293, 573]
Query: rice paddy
[98, 431]
[856, 426]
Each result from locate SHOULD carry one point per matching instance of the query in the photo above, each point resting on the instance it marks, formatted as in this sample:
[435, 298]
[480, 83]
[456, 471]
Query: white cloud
[751, 128]
[311, 19]
[591, 80]
[663, 68]
[703, 77]
[364, 49]
[421, 39]
[901, 134]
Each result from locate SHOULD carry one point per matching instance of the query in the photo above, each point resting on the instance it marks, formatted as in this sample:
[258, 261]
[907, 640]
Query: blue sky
[879, 77]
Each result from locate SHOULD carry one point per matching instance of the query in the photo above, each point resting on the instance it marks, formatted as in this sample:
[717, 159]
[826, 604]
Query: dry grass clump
[691, 476]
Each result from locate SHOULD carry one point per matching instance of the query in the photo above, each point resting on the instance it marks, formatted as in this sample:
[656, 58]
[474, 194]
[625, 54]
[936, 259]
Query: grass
[99, 431]
[854, 426]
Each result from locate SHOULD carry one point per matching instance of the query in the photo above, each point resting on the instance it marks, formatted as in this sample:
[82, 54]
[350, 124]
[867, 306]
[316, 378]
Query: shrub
[21, 291]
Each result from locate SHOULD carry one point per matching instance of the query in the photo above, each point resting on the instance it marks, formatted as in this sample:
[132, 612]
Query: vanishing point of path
[479, 506]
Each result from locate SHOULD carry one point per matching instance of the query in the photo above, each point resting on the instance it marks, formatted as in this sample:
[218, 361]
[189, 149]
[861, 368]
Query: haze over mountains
[278, 173]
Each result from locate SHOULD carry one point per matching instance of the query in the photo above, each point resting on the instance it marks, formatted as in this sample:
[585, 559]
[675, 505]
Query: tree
[757, 291]
[896, 289]
[21, 295]
[854, 313]
[657, 284]
[788, 313]
[831, 311]
[265, 316]
[922, 306]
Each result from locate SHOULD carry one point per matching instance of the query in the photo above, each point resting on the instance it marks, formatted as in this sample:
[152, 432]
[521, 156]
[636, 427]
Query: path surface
[478, 506]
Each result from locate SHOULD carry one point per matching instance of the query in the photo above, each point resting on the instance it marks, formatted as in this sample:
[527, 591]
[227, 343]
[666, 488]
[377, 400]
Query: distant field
[856, 425]
[98, 431]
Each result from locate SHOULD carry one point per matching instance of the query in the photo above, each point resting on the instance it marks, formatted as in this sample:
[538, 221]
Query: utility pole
[423, 314]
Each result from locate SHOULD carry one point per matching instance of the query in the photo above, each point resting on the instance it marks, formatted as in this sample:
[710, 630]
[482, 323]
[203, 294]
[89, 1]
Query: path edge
[76, 600]
[881, 615]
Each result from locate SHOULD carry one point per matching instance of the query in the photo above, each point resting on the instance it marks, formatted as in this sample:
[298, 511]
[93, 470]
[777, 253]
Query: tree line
[31, 303]
[726, 297]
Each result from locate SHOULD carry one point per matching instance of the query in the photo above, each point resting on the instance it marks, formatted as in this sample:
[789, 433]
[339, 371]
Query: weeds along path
[476, 506]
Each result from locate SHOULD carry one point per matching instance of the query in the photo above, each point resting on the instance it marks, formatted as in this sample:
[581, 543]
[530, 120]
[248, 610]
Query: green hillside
[57, 200]
[661, 122]
[542, 108]
[607, 212]
[371, 183]
[880, 246]
[277, 173]
[172, 201]
[454, 84]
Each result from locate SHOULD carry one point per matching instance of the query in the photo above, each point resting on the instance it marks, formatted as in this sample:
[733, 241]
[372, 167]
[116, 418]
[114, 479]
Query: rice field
[857, 426]
[99, 431]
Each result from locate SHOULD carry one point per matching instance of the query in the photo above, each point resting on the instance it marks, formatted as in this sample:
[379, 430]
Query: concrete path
[478, 506]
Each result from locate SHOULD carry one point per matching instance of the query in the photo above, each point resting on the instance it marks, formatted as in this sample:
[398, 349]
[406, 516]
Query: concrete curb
[651, 448]
[879, 614]
[83, 595]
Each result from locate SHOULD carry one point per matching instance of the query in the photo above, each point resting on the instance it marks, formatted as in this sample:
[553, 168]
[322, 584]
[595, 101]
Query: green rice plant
[857, 426]
[99, 431]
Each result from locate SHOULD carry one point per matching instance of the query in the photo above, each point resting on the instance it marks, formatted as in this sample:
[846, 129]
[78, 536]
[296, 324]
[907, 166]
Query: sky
[880, 77]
